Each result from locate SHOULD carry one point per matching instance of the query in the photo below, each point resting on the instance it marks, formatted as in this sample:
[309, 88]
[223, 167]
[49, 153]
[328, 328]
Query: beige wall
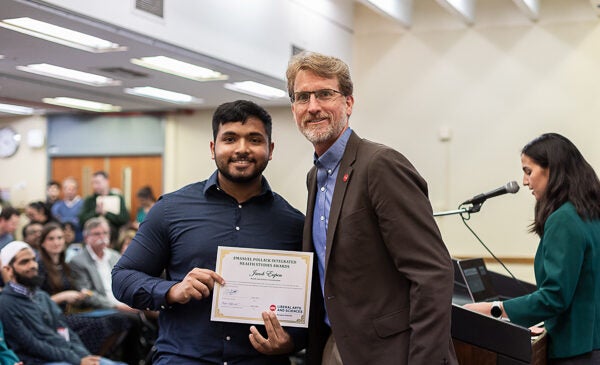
[495, 86]
[24, 174]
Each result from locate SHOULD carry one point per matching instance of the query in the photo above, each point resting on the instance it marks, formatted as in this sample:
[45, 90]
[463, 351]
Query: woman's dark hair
[41, 207]
[146, 192]
[54, 278]
[571, 179]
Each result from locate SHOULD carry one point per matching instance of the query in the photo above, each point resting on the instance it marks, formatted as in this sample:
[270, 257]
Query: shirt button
[240, 206]
[329, 172]
[162, 307]
[322, 218]
[237, 228]
[323, 188]
[228, 338]
[225, 363]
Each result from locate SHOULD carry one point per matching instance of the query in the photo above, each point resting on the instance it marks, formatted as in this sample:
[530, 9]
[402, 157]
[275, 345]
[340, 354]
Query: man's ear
[7, 274]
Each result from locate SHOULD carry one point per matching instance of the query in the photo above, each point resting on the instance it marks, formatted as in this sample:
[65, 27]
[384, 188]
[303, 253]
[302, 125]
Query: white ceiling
[22, 88]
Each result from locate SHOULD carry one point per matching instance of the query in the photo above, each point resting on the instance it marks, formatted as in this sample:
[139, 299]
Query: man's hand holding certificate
[262, 280]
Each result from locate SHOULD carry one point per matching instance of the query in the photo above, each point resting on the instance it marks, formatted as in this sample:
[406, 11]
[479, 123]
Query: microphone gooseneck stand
[465, 215]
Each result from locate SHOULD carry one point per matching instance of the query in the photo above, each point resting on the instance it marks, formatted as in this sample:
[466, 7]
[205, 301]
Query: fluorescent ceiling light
[16, 109]
[179, 68]
[82, 104]
[60, 35]
[68, 74]
[1, 56]
[256, 89]
[164, 95]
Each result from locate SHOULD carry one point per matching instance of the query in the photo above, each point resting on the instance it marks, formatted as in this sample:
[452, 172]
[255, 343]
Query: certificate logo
[273, 307]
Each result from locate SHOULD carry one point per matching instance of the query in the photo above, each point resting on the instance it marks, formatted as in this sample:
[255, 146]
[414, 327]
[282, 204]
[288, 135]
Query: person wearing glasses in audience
[384, 279]
[567, 262]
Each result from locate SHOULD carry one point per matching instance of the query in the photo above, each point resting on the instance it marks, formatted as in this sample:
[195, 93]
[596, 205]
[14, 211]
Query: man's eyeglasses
[325, 95]
[99, 234]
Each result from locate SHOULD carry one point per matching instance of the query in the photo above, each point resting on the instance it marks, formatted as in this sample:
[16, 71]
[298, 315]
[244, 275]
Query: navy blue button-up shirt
[182, 231]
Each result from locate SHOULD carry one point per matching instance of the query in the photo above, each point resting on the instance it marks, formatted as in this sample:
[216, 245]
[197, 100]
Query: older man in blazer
[92, 266]
[384, 279]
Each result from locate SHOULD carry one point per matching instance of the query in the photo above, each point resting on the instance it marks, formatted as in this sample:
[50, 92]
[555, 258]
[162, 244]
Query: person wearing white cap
[35, 328]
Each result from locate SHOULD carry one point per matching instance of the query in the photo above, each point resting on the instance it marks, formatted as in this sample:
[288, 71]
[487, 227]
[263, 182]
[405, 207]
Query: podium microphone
[511, 187]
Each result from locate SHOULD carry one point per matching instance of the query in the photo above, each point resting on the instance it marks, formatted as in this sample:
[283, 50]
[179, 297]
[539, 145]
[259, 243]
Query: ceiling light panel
[82, 104]
[164, 95]
[60, 35]
[179, 68]
[68, 74]
[256, 89]
[16, 109]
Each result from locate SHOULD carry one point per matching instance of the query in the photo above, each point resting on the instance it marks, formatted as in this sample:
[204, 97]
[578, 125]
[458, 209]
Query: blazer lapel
[94, 275]
[311, 184]
[341, 184]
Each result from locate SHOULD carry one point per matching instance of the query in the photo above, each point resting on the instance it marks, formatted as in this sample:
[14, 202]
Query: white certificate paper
[261, 280]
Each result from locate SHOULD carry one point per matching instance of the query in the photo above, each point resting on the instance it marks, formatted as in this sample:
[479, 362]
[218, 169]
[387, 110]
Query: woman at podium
[567, 261]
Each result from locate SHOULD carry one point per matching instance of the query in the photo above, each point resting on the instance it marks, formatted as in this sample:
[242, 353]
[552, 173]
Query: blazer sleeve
[562, 251]
[405, 218]
[82, 269]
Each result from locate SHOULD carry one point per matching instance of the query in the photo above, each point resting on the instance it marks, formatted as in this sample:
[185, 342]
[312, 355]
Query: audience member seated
[146, 200]
[57, 276]
[32, 232]
[52, 194]
[36, 329]
[38, 212]
[106, 203]
[94, 327]
[9, 219]
[7, 356]
[125, 236]
[73, 246]
[92, 268]
[93, 265]
[69, 208]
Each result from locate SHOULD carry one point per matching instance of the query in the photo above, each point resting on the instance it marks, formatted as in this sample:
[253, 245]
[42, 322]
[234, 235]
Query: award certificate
[259, 280]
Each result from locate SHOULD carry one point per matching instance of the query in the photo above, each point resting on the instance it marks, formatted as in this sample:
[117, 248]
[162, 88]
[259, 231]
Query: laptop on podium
[477, 280]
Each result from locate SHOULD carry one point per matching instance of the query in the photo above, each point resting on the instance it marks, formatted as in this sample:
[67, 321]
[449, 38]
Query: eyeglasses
[98, 234]
[323, 95]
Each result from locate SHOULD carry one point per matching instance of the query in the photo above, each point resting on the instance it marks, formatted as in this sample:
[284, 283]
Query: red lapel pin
[345, 177]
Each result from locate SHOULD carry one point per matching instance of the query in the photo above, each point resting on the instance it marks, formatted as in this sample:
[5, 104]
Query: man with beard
[35, 327]
[384, 276]
[181, 233]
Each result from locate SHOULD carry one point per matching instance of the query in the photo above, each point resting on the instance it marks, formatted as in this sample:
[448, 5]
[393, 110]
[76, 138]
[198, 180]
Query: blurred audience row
[72, 211]
[75, 243]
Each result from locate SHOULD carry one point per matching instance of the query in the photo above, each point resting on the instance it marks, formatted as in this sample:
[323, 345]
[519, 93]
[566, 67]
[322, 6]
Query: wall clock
[9, 142]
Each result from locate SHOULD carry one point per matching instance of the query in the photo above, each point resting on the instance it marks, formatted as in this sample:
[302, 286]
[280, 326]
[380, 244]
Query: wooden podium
[482, 340]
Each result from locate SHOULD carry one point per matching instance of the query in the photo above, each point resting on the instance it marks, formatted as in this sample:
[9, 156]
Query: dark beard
[243, 179]
[29, 283]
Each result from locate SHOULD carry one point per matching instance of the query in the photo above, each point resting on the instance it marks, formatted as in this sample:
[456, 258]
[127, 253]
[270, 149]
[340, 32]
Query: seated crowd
[56, 301]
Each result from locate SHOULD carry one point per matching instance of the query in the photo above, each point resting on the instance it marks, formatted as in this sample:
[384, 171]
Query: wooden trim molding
[506, 260]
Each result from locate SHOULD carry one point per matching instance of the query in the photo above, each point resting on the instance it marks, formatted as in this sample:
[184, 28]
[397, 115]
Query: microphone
[511, 187]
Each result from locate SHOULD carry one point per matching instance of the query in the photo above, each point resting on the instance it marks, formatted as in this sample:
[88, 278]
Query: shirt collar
[18, 288]
[212, 184]
[95, 257]
[333, 155]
